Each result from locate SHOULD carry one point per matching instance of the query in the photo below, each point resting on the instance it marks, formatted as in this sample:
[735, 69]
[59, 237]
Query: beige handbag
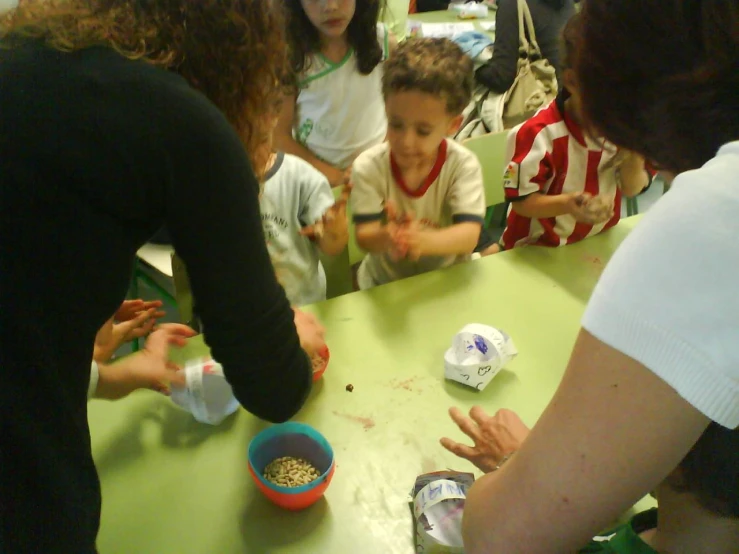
[536, 81]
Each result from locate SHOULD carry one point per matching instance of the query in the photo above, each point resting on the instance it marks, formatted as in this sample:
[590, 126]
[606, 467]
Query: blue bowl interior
[291, 439]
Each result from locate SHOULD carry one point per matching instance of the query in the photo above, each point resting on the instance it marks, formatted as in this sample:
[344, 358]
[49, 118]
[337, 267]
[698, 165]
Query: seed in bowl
[290, 472]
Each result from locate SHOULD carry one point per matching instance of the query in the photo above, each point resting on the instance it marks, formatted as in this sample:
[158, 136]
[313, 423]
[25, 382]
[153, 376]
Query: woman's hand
[310, 331]
[494, 437]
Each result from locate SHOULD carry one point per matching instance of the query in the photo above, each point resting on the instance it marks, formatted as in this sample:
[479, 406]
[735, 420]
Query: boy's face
[330, 17]
[417, 122]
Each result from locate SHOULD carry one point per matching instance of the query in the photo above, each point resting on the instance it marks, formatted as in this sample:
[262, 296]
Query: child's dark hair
[303, 38]
[435, 66]
[660, 77]
[710, 472]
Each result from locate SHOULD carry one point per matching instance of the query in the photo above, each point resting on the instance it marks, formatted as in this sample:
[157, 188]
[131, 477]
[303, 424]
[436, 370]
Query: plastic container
[320, 363]
[206, 395]
[300, 441]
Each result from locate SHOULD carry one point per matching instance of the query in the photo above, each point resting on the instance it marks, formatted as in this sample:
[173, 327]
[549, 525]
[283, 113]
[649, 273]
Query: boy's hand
[411, 239]
[150, 367]
[493, 437]
[586, 209]
[395, 222]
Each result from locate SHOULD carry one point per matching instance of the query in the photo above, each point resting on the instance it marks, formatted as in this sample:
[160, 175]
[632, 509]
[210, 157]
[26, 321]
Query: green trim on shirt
[331, 67]
[625, 538]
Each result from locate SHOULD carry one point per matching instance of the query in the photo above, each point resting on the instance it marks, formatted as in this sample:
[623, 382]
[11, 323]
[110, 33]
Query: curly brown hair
[304, 40]
[435, 66]
[233, 51]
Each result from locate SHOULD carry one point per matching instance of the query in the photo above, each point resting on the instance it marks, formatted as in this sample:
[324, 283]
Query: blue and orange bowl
[299, 441]
[320, 363]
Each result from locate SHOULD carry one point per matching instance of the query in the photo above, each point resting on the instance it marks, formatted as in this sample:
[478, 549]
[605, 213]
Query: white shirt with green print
[340, 112]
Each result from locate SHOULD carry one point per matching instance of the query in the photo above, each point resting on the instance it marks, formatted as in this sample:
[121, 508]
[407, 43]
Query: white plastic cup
[206, 394]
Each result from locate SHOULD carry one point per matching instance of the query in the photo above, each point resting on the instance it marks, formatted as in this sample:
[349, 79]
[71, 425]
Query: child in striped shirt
[563, 184]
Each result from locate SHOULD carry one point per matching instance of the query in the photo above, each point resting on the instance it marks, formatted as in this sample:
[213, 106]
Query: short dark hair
[661, 77]
[303, 38]
[435, 66]
[710, 471]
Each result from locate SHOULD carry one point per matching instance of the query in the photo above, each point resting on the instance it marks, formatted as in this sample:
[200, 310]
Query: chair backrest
[183, 293]
[490, 150]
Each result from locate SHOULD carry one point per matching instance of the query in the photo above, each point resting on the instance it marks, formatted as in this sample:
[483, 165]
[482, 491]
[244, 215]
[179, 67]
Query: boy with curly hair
[418, 199]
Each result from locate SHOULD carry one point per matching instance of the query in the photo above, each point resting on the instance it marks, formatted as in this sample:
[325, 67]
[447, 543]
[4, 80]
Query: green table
[172, 485]
[446, 16]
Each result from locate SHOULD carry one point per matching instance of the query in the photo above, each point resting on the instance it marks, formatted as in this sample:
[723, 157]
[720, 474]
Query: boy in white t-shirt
[299, 217]
[418, 199]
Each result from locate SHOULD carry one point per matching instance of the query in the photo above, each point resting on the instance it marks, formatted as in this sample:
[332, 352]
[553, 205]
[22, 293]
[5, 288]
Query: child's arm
[458, 239]
[149, 368]
[541, 206]
[632, 175]
[331, 233]
[335, 226]
[284, 141]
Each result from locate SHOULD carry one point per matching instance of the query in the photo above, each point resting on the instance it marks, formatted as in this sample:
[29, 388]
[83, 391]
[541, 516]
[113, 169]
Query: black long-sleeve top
[499, 72]
[96, 153]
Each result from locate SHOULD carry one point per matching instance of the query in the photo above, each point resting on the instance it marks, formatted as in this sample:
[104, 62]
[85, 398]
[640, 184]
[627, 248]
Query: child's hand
[131, 308]
[150, 367]
[339, 177]
[397, 247]
[112, 335]
[410, 238]
[586, 209]
[334, 222]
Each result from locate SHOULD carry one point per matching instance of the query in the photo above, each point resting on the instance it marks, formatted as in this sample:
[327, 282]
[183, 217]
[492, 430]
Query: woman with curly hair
[335, 108]
[117, 116]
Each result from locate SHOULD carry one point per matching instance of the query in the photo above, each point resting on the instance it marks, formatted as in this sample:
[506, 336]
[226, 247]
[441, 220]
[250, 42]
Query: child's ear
[454, 125]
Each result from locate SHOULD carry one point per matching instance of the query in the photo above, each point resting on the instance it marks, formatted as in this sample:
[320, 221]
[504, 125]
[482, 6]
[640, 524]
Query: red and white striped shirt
[550, 154]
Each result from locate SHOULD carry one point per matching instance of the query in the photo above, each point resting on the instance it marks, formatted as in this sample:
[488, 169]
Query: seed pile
[290, 472]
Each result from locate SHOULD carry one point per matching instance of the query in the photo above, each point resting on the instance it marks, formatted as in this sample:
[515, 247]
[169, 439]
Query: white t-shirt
[453, 193]
[669, 297]
[339, 112]
[295, 195]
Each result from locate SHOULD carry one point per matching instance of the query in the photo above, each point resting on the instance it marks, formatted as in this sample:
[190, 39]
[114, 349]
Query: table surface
[171, 484]
[447, 16]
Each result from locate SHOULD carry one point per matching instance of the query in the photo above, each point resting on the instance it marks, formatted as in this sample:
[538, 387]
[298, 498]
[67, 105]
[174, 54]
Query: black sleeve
[212, 213]
[499, 73]
[431, 5]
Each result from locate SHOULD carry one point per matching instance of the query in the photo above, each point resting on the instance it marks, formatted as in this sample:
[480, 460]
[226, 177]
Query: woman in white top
[657, 358]
[335, 109]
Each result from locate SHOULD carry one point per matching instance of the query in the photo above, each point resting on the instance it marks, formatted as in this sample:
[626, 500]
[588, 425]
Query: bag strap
[526, 23]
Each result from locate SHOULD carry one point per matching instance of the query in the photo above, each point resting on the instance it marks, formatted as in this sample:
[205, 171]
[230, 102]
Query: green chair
[157, 258]
[338, 268]
[632, 206]
[490, 150]
[183, 293]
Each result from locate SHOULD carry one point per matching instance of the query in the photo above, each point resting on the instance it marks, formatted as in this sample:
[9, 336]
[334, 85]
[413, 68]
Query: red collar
[430, 178]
